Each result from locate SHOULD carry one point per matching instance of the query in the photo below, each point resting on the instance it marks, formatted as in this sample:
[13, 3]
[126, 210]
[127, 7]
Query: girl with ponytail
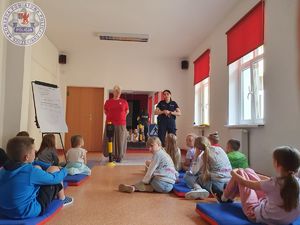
[266, 200]
[210, 170]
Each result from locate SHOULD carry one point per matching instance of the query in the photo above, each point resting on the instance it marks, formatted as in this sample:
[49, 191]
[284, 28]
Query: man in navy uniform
[167, 110]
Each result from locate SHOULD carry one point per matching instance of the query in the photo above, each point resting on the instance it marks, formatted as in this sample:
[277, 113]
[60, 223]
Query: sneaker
[68, 201]
[197, 194]
[126, 188]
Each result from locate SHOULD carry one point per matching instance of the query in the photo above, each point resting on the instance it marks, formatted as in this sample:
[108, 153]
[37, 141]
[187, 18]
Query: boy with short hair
[26, 189]
[236, 158]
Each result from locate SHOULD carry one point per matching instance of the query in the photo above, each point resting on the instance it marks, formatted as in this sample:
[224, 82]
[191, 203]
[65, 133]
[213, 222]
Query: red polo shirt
[116, 111]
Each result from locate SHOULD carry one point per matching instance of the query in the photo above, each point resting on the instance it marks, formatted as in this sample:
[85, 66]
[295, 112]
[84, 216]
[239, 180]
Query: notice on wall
[49, 109]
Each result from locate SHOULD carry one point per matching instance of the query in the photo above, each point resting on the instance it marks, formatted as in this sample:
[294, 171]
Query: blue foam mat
[181, 188]
[228, 213]
[75, 178]
[181, 174]
[52, 208]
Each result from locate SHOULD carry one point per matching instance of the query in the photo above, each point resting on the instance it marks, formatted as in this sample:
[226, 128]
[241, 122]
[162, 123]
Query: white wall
[104, 68]
[281, 82]
[19, 66]
[3, 5]
[44, 67]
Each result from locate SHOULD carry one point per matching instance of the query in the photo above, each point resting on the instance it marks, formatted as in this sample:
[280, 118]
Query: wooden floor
[97, 201]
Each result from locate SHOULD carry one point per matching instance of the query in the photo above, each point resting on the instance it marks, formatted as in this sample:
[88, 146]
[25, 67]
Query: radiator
[242, 136]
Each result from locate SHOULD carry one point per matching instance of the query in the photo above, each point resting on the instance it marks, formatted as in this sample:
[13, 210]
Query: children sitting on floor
[236, 158]
[135, 135]
[214, 170]
[190, 140]
[271, 200]
[76, 157]
[161, 174]
[47, 152]
[26, 189]
[173, 150]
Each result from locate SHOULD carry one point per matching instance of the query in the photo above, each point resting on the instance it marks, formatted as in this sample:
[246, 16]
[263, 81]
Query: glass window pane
[206, 104]
[247, 57]
[258, 73]
[246, 94]
[260, 50]
[197, 105]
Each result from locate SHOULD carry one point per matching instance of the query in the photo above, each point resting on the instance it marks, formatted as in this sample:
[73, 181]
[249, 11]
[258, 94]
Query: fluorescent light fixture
[123, 37]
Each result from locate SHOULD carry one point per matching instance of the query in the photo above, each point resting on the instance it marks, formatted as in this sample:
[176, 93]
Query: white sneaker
[197, 194]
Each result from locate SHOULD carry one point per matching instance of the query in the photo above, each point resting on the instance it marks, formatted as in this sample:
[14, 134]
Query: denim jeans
[214, 185]
[190, 179]
[161, 186]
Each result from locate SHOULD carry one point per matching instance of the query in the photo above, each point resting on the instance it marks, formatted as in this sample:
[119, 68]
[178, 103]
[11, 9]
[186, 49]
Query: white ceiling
[175, 27]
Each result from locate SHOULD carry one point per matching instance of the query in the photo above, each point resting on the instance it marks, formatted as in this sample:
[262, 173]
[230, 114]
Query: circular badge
[23, 23]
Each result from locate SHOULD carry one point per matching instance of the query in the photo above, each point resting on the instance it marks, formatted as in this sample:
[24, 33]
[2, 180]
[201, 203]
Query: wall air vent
[123, 37]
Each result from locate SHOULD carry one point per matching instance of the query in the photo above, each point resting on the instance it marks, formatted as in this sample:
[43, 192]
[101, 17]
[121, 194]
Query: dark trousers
[165, 126]
[146, 131]
[47, 194]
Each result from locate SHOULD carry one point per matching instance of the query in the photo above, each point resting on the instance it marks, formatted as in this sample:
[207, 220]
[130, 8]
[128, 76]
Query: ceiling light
[123, 37]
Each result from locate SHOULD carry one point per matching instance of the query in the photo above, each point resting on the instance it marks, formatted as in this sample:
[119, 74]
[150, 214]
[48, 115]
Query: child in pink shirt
[269, 200]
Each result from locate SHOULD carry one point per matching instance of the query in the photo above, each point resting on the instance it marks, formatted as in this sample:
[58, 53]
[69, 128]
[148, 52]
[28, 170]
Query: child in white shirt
[190, 140]
[161, 174]
[76, 157]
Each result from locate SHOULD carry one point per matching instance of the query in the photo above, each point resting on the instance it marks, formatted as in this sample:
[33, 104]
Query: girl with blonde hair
[161, 174]
[173, 150]
[210, 171]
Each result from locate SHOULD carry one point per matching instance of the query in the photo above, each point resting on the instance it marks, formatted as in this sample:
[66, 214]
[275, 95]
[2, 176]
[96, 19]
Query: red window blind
[161, 96]
[150, 108]
[247, 34]
[155, 98]
[201, 67]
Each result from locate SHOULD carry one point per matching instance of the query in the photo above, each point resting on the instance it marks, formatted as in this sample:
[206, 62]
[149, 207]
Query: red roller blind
[161, 96]
[150, 108]
[247, 34]
[155, 98]
[201, 67]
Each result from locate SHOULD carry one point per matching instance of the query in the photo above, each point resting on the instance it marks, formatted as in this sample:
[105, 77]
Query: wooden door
[85, 116]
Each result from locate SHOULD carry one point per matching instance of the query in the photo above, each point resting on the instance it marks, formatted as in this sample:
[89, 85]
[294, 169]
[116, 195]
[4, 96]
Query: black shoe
[218, 196]
[118, 160]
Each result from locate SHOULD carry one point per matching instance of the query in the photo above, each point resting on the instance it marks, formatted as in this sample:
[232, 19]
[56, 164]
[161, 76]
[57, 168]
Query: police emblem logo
[23, 23]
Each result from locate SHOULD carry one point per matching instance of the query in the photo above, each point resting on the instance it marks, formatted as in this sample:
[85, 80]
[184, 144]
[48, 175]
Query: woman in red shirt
[116, 110]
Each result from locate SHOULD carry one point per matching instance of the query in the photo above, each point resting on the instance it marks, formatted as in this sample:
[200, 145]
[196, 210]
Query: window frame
[201, 120]
[238, 68]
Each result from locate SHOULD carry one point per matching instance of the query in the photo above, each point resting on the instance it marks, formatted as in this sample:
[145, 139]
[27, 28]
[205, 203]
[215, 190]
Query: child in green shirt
[236, 158]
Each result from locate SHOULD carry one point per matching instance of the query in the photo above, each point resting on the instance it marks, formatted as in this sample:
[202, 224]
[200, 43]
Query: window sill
[202, 126]
[241, 126]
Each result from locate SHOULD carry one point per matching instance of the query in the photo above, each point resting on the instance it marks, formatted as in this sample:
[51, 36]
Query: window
[201, 115]
[201, 84]
[246, 89]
